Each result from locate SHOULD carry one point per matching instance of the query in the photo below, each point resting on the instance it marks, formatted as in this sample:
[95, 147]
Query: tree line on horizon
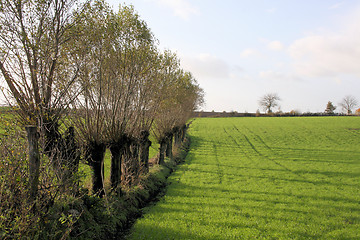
[270, 101]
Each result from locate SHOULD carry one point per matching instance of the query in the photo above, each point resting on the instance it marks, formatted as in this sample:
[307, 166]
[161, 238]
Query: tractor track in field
[218, 169]
[268, 147]
[263, 155]
[258, 138]
[272, 160]
[237, 144]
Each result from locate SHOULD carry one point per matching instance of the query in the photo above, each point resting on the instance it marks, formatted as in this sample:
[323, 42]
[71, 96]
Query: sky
[306, 51]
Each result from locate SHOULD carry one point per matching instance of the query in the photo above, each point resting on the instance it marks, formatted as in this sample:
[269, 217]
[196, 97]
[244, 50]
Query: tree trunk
[169, 145]
[135, 160]
[34, 160]
[131, 163]
[95, 154]
[51, 132]
[115, 174]
[183, 132]
[162, 150]
[71, 150]
[53, 145]
[62, 150]
[177, 136]
[145, 144]
[70, 158]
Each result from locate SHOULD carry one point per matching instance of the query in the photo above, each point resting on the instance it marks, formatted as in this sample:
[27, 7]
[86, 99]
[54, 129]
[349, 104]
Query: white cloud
[326, 55]
[180, 8]
[250, 52]
[206, 66]
[275, 45]
[329, 54]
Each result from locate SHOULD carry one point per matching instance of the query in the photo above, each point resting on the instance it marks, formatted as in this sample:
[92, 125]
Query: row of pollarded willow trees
[101, 71]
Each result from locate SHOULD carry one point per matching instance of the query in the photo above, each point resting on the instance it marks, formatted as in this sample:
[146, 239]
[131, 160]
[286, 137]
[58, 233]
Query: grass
[263, 178]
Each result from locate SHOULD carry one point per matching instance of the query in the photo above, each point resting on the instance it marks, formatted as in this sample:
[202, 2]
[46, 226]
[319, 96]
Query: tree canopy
[330, 108]
[348, 104]
[269, 101]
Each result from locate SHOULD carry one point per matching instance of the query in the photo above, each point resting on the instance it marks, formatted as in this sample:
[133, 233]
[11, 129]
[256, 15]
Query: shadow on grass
[279, 175]
[179, 189]
[300, 215]
[254, 211]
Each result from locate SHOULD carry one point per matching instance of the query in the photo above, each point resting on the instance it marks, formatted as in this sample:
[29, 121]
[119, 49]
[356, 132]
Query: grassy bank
[263, 178]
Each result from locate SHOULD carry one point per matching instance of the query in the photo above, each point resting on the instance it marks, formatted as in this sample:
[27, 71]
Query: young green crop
[263, 178]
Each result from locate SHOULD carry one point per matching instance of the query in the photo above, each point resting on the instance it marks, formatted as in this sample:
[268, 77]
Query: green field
[263, 178]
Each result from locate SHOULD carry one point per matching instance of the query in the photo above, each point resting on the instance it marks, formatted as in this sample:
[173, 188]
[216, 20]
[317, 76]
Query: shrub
[16, 213]
[20, 217]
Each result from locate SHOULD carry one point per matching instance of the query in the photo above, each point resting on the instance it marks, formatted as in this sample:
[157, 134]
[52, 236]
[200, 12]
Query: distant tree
[294, 112]
[258, 113]
[279, 111]
[269, 101]
[330, 108]
[348, 103]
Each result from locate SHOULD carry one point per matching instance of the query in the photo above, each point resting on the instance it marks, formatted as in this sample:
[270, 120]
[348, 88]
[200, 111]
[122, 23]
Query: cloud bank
[329, 54]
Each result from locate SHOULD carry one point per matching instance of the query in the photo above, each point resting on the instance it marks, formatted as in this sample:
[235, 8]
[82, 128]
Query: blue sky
[308, 52]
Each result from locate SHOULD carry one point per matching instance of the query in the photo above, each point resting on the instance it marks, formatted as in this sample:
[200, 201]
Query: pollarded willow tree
[180, 96]
[189, 98]
[94, 40]
[33, 63]
[128, 118]
[165, 120]
[118, 73]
